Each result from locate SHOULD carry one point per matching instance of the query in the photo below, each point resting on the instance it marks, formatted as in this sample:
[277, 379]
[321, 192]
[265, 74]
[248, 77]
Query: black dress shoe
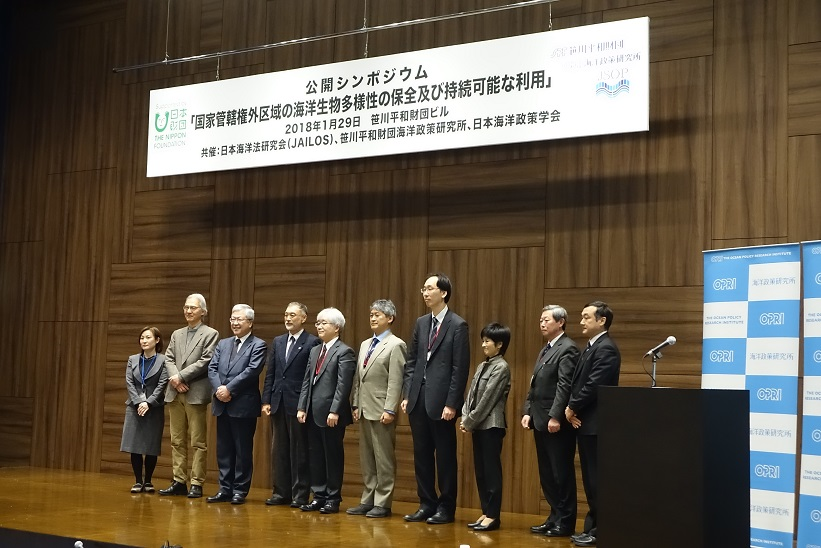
[148, 487]
[542, 529]
[295, 504]
[492, 526]
[584, 539]
[276, 500]
[176, 488]
[441, 517]
[220, 497]
[195, 492]
[378, 512]
[329, 508]
[419, 515]
[238, 498]
[359, 510]
[314, 506]
[475, 523]
[557, 531]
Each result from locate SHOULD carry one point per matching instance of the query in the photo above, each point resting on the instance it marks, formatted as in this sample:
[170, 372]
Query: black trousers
[487, 463]
[557, 473]
[327, 460]
[292, 479]
[589, 460]
[235, 453]
[434, 454]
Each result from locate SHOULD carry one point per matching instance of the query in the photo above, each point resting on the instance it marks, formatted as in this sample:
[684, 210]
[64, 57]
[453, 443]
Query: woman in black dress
[145, 379]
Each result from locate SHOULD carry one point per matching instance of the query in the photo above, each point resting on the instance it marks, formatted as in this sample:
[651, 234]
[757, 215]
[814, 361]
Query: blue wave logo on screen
[613, 90]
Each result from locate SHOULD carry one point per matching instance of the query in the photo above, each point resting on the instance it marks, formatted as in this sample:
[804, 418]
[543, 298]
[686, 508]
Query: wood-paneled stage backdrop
[91, 250]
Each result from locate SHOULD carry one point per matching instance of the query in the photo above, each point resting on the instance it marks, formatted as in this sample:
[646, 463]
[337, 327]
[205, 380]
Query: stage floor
[95, 506]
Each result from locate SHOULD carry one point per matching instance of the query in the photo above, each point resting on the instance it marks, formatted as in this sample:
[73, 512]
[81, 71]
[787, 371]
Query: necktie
[236, 348]
[434, 332]
[291, 342]
[320, 360]
[374, 342]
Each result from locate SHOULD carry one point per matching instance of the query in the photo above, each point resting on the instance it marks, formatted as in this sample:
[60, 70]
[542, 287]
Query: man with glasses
[324, 404]
[280, 395]
[234, 374]
[188, 395]
[434, 386]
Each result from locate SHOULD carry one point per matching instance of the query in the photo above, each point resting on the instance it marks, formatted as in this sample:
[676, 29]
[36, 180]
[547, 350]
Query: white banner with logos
[809, 489]
[752, 299]
[589, 80]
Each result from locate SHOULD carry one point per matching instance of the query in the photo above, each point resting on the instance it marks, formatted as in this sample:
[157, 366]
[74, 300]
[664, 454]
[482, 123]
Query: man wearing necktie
[434, 386]
[377, 390]
[234, 374]
[280, 395]
[599, 365]
[544, 414]
[324, 404]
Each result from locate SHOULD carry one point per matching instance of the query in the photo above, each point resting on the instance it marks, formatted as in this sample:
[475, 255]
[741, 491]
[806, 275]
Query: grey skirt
[143, 435]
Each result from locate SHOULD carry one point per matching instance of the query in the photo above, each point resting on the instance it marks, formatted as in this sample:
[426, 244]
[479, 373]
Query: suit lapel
[328, 355]
[443, 331]
[376, 352]
[190, 346]
[297, 348]
[243, 349]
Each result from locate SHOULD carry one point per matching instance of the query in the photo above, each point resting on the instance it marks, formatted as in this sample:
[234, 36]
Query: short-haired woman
[484, 414]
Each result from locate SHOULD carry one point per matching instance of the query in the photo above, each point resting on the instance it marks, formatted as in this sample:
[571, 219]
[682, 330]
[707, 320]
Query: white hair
[249, 312]
[333, 316]
[201, 300]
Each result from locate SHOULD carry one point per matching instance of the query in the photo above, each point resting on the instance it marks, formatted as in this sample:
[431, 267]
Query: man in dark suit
[234, 374]
[324, 403]
[599, 365]
[544, 413]
[434, 386]
[280, 395]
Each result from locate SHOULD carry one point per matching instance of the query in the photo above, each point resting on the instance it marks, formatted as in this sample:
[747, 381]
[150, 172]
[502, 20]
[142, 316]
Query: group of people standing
[315, 386]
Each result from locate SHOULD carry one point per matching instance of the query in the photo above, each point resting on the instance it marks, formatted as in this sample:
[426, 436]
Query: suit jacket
[283, 380]
[446, 370]
[155, 381]
[485, 404]
[378, 386]
[190, 362]
[550, 384]
[598, 366]
[330, 391]
[239, 375]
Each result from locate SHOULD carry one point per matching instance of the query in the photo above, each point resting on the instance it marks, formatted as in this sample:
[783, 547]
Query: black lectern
[674, 467]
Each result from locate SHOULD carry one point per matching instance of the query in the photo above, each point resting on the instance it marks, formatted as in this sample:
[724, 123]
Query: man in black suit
[434, 386]
[234, 374]
[324, 403]
[544, 413]
[280, 395]
[599, 365]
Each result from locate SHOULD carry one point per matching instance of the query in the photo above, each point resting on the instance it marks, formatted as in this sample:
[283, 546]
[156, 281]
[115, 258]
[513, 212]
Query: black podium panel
[674, 467]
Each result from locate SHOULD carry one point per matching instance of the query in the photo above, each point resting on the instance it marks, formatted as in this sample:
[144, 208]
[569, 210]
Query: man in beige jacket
[376, 393]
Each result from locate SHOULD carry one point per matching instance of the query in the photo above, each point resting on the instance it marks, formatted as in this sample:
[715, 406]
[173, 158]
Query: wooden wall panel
[804, 188]
[67, 426]
[19, 303]
[292, 19]
[77, 246]
[236, 213]
[487, 205]
[804, 108]
[173, 225]
[503, 285]
[379, 223]
[232, 283]
[803, 21]
[750, 122]
[292, 211]
[15, 431]
[678, 28]
[243, 25]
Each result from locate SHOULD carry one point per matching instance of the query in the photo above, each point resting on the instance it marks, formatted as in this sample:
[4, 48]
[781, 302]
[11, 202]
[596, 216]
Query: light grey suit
[377, 388]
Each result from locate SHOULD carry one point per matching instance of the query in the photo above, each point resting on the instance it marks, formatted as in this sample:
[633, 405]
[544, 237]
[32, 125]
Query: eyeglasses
[323, 323]
[236, 320]
[187, 308]
[428, 289]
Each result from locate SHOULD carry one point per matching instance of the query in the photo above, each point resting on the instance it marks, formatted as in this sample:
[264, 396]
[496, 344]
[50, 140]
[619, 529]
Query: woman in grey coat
[484, 414]
[145, 379]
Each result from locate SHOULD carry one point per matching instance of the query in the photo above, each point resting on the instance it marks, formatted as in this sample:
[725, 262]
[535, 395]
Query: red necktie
[320, 360]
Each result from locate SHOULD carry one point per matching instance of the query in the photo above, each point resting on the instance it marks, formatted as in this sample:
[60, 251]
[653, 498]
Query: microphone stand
[656, 357]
